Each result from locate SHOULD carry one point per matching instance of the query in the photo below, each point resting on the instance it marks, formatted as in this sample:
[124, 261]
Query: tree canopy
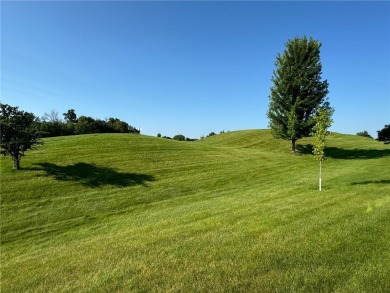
[51, 125]
[297, 90]
[18, 133]
[179, 137]
[384, 133]
[70, 116]
[323, 120]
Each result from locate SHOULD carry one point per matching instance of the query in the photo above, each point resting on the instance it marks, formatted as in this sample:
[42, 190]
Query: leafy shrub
[364, 133]
[179, 137]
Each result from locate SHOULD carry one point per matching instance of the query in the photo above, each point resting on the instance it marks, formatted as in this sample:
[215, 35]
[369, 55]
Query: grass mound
[231, 212]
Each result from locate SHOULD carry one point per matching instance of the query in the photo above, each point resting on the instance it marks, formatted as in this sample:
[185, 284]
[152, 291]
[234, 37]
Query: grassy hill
[232, 212]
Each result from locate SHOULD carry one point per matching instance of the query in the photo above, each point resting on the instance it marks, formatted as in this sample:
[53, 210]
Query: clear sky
[190, 67]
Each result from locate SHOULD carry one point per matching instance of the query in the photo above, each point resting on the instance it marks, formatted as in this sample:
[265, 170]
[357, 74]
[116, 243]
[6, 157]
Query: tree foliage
[297, 90]
[364, 134]
[384, 134]
[51, 125]
[85, 125]
[179, 137]
[18, 133]
[70, 116]
[323, 120]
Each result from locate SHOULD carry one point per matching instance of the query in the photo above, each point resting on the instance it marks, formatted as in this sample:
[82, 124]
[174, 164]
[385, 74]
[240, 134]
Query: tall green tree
[18, 133]
[323, 120]
[297, 90]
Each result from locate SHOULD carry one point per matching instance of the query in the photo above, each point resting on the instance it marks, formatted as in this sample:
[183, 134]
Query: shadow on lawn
[383, 181]
[304, 149]
[339, 153]
[93, 176]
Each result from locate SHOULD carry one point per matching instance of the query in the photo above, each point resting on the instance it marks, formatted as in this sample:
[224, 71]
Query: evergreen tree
[297, 91]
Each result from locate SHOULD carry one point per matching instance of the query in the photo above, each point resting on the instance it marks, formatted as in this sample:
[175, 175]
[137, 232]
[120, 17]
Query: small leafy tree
[323, 120]
[18, 133]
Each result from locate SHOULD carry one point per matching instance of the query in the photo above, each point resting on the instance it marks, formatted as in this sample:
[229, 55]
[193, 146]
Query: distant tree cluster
[364, 134]
[178, 137]
[50, 124]
[383, 134]
[21, 131]
[181, 137]
[213, 133]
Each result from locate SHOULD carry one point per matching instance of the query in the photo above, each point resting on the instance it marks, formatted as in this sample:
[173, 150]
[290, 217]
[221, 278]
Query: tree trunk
[16, 163]
[320, 181]
[293, 145]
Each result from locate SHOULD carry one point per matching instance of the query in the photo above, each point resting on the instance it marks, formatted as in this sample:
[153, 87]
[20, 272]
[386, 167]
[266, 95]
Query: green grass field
[234, 212]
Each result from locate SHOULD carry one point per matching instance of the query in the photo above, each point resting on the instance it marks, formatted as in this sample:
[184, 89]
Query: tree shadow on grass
[304, 149]
[346, 154]
[93, 176]
[383, 181]
[339, 153]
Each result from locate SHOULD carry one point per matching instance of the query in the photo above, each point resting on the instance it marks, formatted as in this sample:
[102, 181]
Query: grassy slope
[233, 212]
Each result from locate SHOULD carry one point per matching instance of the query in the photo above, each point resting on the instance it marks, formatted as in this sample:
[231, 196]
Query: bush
[86, 125]
[364, 133]
[116, 125]
[50, 129]
[179, 137]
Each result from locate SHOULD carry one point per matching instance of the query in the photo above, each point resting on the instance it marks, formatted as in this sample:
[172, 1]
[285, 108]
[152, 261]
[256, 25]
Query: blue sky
[190, 67]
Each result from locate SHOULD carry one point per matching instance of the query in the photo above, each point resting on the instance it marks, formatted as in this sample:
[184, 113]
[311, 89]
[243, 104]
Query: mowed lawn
[236, 212]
